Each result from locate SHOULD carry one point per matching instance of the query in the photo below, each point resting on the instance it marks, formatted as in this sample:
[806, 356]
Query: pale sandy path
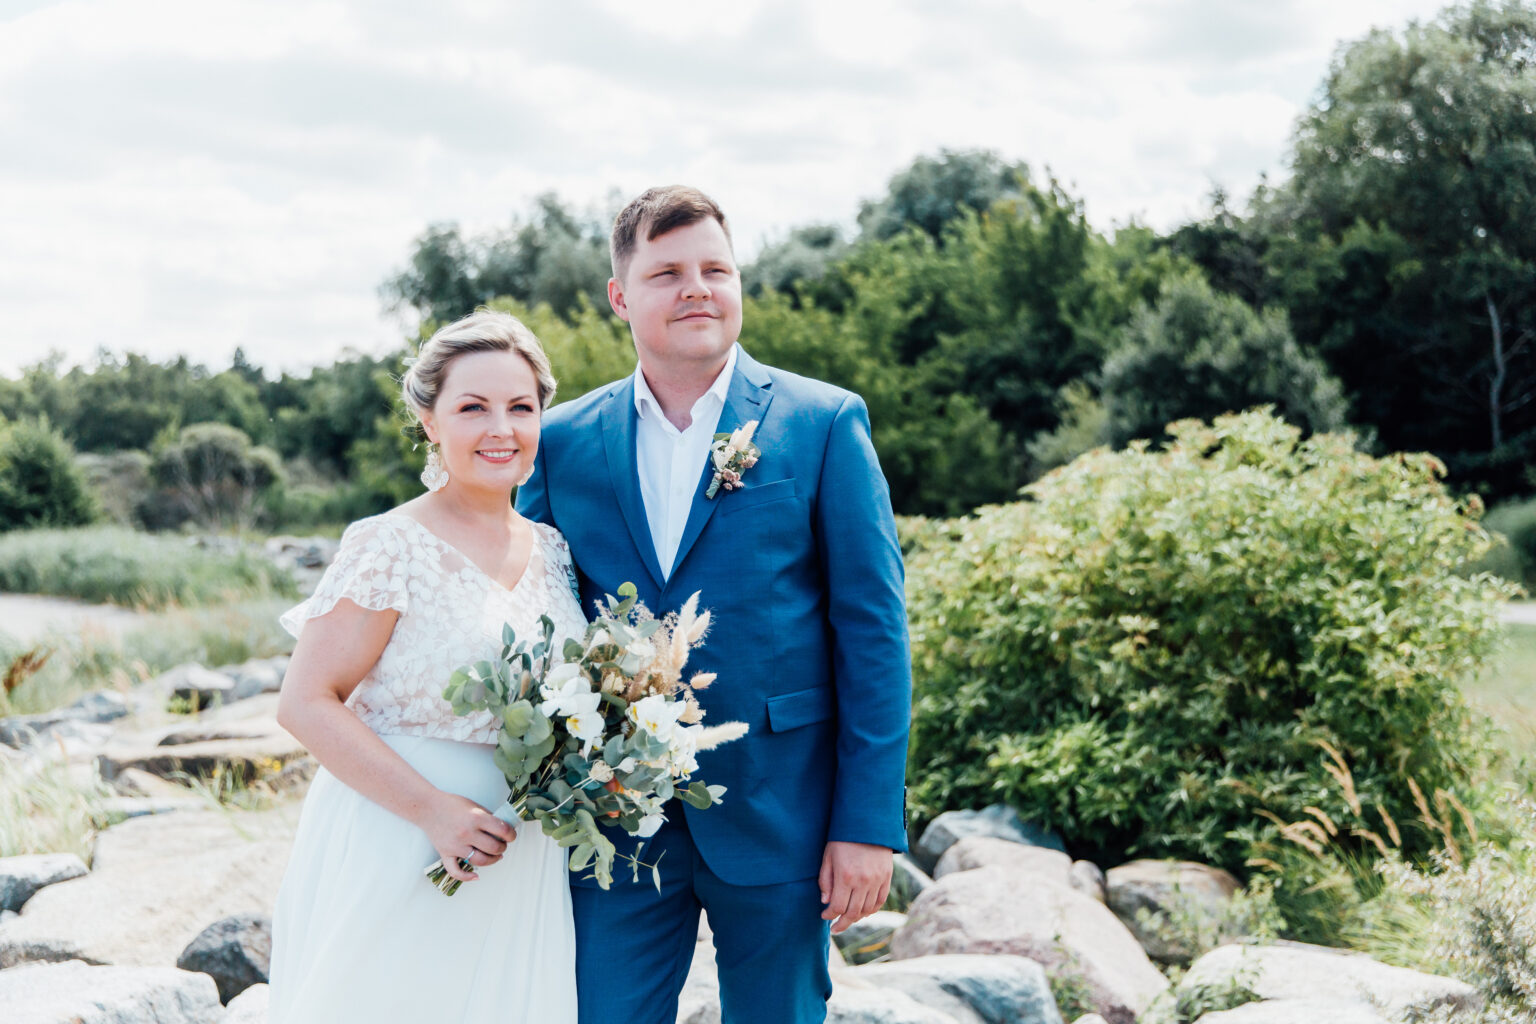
[1523, 612]
[28, 617]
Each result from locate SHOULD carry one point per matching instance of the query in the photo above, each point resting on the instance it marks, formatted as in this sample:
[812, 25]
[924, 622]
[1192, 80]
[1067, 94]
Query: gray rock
[83, 994]
[154, 885]
[259, 675]
[21, 877]
[126, 807]
[989, 910]
[235, 951]
[260, 748]
[1296, 1011]
[101, 706]
[998, 821]
[856, 1005]
[249, 1007]
[971, 989]
[198, 686]
[907, 882]
[1034, 862]
[1295, 971]
[1148, 894]
[869, 939]
[1088, 878]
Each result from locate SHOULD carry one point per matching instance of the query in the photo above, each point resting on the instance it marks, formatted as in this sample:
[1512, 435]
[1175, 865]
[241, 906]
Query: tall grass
[52, 808]
[110, 563]
[78, 663]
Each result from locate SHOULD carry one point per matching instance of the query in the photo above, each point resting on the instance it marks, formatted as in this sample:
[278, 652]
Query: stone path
[29, 617]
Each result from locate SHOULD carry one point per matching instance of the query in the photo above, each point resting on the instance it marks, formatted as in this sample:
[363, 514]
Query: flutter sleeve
[371, 569]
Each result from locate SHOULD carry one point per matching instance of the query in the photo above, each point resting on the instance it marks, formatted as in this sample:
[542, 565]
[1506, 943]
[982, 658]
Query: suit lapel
[619, 441]
[747, 399]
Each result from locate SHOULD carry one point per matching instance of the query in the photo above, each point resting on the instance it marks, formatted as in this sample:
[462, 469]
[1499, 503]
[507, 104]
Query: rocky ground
[168, 923]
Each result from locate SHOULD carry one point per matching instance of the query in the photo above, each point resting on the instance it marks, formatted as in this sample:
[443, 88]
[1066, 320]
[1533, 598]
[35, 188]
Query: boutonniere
[733, 454]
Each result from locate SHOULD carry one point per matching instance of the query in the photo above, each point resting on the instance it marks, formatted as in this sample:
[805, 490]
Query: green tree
[555, 256]
[799, 261]
[1197, 354]
[40, 484]
[1414, 188]
[933, 191]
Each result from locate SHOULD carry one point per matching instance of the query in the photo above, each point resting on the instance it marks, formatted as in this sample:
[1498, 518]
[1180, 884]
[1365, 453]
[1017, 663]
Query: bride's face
[486, 419]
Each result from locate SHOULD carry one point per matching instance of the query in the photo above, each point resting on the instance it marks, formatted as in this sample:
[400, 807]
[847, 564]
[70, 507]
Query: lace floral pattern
[451, 614]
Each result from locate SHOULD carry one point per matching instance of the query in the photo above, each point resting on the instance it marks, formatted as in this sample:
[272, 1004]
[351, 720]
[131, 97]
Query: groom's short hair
[655, 212]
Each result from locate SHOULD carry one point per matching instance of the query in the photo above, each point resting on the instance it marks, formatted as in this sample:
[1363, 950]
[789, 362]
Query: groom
[800, 567]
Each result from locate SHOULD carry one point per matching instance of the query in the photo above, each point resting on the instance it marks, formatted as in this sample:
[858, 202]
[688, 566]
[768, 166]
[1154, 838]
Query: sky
[192, 176]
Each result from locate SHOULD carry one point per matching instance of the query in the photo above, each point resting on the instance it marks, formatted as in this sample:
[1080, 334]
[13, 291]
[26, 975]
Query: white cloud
[186, 176]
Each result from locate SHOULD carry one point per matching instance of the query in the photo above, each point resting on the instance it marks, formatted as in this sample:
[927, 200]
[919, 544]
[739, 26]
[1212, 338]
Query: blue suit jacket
[801, 571]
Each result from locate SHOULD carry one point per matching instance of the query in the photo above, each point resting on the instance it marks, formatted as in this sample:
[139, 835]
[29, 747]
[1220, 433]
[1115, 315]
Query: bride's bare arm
[333, 653]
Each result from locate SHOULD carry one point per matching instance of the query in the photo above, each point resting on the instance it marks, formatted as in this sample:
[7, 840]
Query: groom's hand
[855, 878]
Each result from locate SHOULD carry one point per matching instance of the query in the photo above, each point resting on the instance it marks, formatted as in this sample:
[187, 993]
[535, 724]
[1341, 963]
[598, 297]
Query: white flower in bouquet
[657, 715]
[650, 824]
[567, 692]
[586, 725]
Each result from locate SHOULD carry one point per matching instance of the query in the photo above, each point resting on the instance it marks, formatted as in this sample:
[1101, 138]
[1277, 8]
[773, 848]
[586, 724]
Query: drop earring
[435, 476]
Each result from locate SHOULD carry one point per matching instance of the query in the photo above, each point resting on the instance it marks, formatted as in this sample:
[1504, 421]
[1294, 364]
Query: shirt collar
[645, 398]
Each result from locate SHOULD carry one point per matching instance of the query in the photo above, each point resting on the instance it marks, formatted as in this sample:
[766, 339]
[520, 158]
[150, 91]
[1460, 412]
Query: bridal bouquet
[605, 737]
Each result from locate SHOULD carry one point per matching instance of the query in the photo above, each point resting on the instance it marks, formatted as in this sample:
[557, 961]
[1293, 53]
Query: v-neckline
[534, 549]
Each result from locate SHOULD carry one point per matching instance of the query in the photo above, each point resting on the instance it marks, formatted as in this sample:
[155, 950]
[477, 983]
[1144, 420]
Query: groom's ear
[616, 299]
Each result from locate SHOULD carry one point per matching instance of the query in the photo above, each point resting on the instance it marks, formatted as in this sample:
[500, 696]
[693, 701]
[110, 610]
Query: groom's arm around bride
[799, 565]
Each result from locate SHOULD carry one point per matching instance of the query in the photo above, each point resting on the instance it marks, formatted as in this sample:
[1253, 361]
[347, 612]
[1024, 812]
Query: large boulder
[998, 821]
[854, 1004]
[1149, 895]
[907, 882]
[1035, 862]
[83, 994]
[24, 875]
[971, 989]
[1088, 878]
[195, 686]
[1296, 1011]
[154, 885]
[249, 1007]
[94, 709]
[990, 910]
[1294, 971]
[869, 939]
[247, 748]
[236, 952]
[257, 676]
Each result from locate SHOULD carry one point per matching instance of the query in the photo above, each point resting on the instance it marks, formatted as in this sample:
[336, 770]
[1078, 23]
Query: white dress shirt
[672, 461]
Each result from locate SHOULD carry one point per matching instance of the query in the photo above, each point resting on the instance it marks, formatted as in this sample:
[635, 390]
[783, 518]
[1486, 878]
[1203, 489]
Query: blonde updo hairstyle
[481, 331]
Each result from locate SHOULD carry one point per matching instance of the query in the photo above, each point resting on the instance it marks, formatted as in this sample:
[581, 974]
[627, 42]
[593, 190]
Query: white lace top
[451, 614]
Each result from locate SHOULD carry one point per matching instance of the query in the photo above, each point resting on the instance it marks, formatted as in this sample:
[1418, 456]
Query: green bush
[129, 568]
[1514, 522]
[1148, 652]
[40, 485]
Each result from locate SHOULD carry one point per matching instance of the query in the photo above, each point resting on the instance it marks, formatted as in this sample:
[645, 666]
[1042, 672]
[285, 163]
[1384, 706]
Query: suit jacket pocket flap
[792, 710]
[749, 496]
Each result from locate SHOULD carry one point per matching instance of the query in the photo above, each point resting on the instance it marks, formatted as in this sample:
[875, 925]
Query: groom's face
[681, 295]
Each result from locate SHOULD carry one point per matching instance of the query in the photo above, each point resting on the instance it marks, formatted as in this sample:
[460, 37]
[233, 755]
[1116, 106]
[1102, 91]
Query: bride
[359, 933]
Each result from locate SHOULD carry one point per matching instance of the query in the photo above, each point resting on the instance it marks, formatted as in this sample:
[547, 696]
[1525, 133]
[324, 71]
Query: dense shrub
[210, 475]
[40, 485]
[1514, 523]
[1147, 653]
[125, 567]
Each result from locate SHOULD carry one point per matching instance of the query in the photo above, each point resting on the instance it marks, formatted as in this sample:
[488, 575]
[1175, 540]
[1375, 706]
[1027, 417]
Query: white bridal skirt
[359, 934]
